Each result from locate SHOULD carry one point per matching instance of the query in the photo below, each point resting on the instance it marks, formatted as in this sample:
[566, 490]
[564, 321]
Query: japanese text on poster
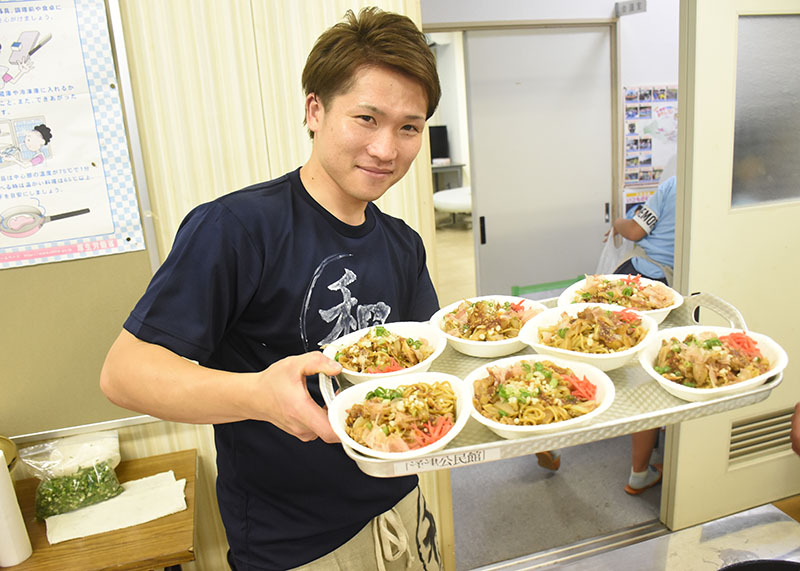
[66, 184]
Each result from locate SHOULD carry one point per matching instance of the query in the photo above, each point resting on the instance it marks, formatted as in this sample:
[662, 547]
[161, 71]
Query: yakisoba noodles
[706, 361]
[381, 351]
[627, 292]
[595, 330]
[532, 393]
[487, 320]
[406, 418]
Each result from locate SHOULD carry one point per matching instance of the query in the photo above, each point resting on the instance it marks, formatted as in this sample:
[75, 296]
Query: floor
[455, 258]
[511, 508]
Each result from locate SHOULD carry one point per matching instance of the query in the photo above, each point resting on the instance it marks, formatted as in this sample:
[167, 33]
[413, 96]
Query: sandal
[636, 491]
[548, 460]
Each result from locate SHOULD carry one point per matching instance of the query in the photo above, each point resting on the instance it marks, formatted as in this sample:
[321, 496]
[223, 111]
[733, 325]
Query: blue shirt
[255, 276]
[657, 219]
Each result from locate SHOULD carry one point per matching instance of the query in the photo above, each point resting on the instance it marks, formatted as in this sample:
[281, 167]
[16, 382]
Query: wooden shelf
[159, 543]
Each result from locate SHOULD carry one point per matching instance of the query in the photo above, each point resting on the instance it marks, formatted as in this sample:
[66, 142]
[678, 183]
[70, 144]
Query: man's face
[365, 139]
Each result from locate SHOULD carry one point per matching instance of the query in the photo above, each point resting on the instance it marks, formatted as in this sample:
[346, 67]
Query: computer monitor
[440, 149]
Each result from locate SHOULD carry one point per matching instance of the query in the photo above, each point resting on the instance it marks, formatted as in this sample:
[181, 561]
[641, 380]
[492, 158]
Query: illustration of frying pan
[23, 221]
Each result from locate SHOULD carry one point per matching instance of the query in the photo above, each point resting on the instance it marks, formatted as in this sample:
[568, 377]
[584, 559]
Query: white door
[541, 116]
[738, 236]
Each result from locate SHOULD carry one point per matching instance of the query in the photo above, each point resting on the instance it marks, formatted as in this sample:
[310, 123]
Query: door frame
[616, 94]
[723, 483]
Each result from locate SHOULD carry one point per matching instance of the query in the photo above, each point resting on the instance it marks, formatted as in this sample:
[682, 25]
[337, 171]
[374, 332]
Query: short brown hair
[375, 37]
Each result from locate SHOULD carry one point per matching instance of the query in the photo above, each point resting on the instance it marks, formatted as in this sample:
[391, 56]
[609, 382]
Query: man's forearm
[152, 380]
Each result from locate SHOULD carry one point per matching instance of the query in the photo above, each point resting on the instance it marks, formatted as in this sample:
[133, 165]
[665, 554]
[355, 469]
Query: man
[653, 227]
[258, 280]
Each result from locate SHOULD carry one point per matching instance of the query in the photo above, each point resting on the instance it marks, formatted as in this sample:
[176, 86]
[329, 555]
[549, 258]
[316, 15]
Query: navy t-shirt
[257, 275]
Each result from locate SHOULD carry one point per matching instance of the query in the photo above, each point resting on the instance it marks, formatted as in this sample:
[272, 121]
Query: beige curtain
[219, 105]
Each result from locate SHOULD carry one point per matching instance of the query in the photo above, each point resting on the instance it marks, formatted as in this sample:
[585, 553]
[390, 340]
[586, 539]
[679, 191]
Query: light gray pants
[397, 540]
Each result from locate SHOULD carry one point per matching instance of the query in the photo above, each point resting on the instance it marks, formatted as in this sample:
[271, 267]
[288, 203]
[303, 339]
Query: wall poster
[651, 139]
[66, 182]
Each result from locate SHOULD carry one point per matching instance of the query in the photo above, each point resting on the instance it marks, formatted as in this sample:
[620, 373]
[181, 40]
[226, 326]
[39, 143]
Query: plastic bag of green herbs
[87, 486]
[75, 471]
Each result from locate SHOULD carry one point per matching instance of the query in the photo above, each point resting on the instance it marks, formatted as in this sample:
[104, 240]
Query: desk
[163, 542]
[457, 168]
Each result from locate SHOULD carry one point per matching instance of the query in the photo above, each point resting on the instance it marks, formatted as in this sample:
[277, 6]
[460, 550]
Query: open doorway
[512, 508]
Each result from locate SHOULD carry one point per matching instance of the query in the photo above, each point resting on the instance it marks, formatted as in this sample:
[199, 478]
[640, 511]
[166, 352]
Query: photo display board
[650, 139]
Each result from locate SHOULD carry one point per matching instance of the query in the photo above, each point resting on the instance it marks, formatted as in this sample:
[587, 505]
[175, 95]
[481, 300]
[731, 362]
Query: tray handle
[326, 388]
[692, 304]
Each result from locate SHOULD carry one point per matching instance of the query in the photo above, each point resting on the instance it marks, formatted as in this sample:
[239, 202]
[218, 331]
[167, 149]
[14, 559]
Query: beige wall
[219, 105]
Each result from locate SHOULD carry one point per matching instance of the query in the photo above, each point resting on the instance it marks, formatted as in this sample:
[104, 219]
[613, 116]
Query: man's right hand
[151, 379]
[282, 398]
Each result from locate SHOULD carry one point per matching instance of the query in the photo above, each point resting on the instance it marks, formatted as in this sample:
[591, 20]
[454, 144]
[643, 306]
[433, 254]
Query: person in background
[230, 328]
[795, 434]
[653, 228]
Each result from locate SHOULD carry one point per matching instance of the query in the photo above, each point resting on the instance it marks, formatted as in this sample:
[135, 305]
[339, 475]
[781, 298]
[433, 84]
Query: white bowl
[603, 361]
[770, 349]
[568, 295]
[337, 411]
[488, 349]
[413, 329]
[605, 395]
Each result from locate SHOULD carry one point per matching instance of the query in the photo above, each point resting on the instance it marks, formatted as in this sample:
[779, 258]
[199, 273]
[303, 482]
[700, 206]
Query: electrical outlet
[630, 7]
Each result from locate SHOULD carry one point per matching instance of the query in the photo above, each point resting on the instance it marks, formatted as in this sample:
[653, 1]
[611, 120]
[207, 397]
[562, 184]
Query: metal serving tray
[639, 403]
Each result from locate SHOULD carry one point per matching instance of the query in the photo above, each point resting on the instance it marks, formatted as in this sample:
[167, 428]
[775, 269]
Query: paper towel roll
[15, 545]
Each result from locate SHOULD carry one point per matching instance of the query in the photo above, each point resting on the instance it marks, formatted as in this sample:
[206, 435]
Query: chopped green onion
[89, 485]
[385, 394]
[502, 393]
[548, 374]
